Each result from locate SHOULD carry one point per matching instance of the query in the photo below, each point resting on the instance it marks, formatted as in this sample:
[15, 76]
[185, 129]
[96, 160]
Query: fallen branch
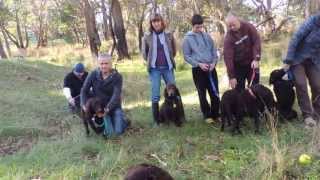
[265, 21]
[160, 161]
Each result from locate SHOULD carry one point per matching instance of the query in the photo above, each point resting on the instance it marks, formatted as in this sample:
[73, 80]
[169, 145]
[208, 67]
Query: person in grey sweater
[199, 51]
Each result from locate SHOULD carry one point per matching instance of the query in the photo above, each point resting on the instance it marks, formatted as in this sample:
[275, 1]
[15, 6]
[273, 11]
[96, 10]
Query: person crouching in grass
[106, 84]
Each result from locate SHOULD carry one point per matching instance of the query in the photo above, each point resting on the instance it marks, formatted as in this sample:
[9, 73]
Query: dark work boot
[155, 113]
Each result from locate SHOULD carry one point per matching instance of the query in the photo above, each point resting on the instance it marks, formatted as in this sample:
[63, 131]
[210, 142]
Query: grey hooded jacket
[199, 48]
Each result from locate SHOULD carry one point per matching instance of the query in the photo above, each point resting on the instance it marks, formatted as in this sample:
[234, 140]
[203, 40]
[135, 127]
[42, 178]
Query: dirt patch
[15, 139]
[56, 127]
[11, 145]
[27, 77]
[90, 153]
[134, 131]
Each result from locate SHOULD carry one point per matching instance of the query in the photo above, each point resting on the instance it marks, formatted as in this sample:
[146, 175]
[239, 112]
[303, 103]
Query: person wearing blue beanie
[72, 85]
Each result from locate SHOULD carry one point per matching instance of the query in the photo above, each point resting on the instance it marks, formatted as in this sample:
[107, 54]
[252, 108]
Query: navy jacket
[305, 43]
[109, 89]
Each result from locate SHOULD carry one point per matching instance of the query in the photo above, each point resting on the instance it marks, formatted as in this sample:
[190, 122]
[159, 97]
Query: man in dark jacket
[303, 59]
[106, 84]
[72, 85]
[242, 51]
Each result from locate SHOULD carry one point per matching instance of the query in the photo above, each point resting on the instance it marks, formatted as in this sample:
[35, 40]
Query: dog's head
[264, 96]
[171, 92]
[95, 107]
[276, 75]
[148, 172]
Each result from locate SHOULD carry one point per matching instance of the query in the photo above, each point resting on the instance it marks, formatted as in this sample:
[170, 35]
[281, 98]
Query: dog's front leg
[178, 120]
[236, 126]
[257, 124]
[181, 112]
[86, 126]
[223, 122]
[94, 128]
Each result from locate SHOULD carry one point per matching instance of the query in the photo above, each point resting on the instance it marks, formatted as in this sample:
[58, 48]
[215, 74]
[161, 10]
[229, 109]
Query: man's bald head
[233, 22]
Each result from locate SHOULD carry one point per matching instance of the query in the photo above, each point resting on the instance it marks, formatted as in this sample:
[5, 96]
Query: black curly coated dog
[147, 172]
[94, 115]
[285, 94]
[172, 108]
[253, 101]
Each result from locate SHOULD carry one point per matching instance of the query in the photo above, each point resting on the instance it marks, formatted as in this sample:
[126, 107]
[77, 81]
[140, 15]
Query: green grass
[46, 141]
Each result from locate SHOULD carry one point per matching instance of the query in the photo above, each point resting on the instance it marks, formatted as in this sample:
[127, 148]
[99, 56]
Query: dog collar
[94, 121]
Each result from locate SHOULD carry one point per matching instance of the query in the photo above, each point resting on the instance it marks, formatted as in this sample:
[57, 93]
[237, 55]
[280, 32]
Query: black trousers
[203, 84]
[243, 74]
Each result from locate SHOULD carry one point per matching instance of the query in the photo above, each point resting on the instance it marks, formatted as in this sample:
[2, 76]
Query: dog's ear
[88, 114]
[177, 91]
[271, 81]
[165, 92]
[272, 77]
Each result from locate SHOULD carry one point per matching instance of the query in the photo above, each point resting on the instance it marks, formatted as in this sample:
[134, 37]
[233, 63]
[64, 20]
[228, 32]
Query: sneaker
[209, 120]
[310, 122]
[155, 125]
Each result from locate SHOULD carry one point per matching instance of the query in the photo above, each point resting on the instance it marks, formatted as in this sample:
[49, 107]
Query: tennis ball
[304, 159]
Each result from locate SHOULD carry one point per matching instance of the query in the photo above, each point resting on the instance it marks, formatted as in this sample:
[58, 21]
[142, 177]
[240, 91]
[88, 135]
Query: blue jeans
[155, 75]
[115, 123]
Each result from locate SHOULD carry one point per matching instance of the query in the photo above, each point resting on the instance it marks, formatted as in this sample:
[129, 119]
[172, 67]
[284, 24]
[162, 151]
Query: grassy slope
[52, 143]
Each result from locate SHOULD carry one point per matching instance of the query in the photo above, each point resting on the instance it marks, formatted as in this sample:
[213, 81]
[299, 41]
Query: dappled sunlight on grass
[55, 93]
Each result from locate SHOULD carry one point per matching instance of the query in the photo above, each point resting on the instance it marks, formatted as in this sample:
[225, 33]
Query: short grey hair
[104, 56]
[231, 15]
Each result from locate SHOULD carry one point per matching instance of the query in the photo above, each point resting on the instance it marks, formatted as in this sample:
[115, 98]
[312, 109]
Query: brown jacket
[241, 47]
[147, 47]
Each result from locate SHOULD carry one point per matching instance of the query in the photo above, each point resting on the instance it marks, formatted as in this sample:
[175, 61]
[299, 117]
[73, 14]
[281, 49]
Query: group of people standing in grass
[242, 50]
[242, 53]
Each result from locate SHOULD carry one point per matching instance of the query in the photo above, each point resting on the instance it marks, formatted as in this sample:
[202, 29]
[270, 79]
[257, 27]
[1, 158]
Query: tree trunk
[17, 39]
[3, 54]
[114, 42]
[92, 32]
[106, 30]
[140, 34]
[269, 5]
[312, 7]
[5, 37]
[42, 20]
[26, 37]
[140, 25]
[196, 9]
[19, 33]
[76, 34]
[119, 30]
[154, 6]
[42, 35]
